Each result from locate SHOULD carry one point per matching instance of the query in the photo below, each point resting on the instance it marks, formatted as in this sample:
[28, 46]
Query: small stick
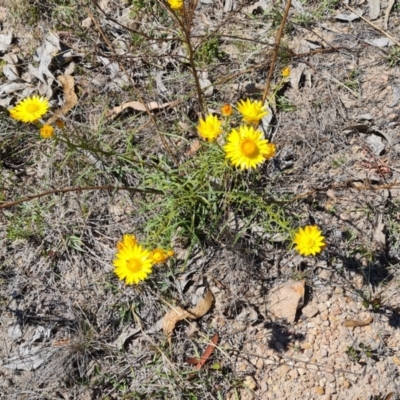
[76, 189]
[373, 25]
[275, 56]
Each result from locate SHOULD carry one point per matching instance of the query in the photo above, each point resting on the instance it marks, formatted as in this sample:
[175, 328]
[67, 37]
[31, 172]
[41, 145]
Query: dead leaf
[3, 13]
[396, 360]
[5, 41]
[351, 323]
[71, 99]
[176, 314]
[349, 17]
[10, 69]
[138, 106]
[379, 233]
[380, 42]
[194, 147]
[374, 9]
[387, 12]
[206, 355]
[44, 55]
[284, 301]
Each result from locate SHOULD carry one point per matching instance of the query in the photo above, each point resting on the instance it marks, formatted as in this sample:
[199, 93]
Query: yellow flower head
[159, 256]
[252, 111]
[30, 109]
[46, 131]
[176, 5]
[286, 72]
[132, 262]
[226, 110]
[210, 128]
[127, 242]
[309, 240]
[246, 148]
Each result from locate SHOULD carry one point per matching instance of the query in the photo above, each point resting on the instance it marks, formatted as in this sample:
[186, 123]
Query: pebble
[293, 374]
[330, 377]
[301, 371]
[282, 370]
[319, 390]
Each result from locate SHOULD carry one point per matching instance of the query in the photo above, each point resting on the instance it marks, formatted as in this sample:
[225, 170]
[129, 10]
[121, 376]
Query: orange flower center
[249, 148]
[310, 243]
[32, 108]
[134, 265]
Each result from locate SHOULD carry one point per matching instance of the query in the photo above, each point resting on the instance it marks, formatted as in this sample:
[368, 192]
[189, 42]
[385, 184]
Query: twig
[275, 56]
[373, 25]
[77, 189]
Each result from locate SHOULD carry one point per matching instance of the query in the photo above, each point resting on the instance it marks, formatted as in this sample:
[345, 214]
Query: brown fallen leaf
[71, 99]
[138, 106]
[176, 314]
[199, 362]
[351, 323]
[194, 147]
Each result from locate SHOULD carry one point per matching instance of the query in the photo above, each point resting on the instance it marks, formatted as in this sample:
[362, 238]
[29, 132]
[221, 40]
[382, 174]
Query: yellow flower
[246, 147]
[309, 240]
[159, 256]
[176, 5]
[226, 110]
[30, 109]
[210, 128]
[127, 242]
[132, 262]
[46, 131]
[252, 111]
[286, 72]
[270, 151]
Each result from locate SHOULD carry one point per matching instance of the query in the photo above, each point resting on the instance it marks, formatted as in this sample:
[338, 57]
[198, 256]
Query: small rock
[301, 371]
[346, 384]
[310, 310]
[293, 374]
[330, 377]
[284, 301]
[282, 370]
[249, 382]
[319, 390]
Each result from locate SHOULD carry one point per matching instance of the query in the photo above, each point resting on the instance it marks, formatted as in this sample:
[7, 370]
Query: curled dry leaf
[176, 314]
[71, 99]
[351, 323]
[199, 362]
[138, 106]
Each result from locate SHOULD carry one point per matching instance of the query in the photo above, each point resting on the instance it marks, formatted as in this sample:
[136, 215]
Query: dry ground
[70, 330]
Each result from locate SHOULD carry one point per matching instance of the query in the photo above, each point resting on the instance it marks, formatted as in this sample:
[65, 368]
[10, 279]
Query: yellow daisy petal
[46, 131]
[209, 128]
[176, 5]
[246, 148]
[132, 262]
[30, 109]
[252, 111]
[159, 256]
[309, 240]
